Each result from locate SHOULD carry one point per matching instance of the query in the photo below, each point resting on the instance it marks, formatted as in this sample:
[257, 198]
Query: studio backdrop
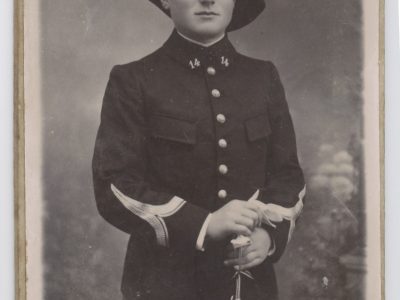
[317, 47]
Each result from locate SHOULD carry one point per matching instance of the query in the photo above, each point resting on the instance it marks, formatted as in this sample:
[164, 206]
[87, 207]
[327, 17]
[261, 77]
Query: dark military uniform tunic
[184, 131]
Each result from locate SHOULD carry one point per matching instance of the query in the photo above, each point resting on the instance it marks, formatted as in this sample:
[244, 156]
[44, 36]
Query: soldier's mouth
[206, 13]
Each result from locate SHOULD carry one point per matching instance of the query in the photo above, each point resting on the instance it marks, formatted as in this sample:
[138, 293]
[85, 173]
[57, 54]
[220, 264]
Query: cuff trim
[202, 234]
[276, 213]
[152, 214]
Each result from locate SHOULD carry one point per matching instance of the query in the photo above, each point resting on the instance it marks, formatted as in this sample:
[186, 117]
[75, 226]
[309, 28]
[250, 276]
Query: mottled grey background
[316, 45]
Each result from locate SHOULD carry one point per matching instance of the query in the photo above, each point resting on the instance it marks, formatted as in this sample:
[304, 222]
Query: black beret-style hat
[244, 13]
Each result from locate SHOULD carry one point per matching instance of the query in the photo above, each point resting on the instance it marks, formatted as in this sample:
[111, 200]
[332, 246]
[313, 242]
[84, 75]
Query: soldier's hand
[236, 217]
[252, 255]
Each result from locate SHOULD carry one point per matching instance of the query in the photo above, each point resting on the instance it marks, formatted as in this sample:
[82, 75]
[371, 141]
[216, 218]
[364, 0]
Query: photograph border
[19, 153]
[22, 65]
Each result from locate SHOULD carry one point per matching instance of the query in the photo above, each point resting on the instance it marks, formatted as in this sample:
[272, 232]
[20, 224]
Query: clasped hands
[239, 217]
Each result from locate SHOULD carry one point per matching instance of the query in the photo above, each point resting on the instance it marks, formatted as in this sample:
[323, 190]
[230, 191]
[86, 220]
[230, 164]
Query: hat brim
[245, 12]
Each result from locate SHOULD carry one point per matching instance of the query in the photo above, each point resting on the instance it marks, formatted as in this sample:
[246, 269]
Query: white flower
[319, 181]
[342, 157]
[341, 188]
[327, 169]
[345, 169]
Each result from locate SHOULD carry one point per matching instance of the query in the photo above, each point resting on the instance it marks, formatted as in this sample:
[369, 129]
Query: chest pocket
[173, 129]
[258, 127]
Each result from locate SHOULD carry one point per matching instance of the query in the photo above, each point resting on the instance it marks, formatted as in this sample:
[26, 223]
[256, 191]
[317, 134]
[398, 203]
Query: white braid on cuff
[152, 214]
[202, 234]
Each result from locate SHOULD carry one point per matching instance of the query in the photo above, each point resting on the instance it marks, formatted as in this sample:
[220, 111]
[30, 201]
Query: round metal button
[211, 71]
[223, 169]
[215, 93]
[222, 194]
[222, 143]
[221, 118]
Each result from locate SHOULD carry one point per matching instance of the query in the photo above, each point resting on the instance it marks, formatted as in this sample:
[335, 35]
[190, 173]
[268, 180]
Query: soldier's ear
[165, 4]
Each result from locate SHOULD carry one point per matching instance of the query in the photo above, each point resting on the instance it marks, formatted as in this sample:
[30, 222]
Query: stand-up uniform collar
[221, 54]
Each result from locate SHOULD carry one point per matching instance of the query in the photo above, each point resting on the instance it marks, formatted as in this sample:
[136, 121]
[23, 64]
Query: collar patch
[221, 55]
[194, 63]
[224, 61]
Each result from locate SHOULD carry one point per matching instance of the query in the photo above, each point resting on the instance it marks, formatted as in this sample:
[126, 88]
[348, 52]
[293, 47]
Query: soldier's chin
[210, 31]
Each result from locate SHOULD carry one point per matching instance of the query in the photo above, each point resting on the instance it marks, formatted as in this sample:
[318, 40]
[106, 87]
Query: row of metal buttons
[222, 169]
[222, 143]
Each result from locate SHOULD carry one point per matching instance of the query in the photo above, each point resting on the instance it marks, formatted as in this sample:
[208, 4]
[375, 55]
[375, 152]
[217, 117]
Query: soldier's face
[201, 20]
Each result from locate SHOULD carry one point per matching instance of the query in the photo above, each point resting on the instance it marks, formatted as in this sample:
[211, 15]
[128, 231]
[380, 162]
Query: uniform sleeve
[124, 196]
[285, 187]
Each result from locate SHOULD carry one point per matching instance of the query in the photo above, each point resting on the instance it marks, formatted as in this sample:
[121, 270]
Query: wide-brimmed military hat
[244, 13]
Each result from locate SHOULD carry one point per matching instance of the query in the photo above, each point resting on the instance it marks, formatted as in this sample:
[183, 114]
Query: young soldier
[187, 135]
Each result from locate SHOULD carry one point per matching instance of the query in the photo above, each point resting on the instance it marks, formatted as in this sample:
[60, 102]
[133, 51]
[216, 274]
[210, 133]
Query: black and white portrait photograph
[201, 150]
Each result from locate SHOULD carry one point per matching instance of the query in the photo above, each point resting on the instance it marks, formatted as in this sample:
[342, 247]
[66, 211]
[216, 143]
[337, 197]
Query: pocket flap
[258, 127]
[173, 129]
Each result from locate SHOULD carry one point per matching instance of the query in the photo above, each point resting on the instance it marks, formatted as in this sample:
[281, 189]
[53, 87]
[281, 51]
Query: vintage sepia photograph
[200, 149]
